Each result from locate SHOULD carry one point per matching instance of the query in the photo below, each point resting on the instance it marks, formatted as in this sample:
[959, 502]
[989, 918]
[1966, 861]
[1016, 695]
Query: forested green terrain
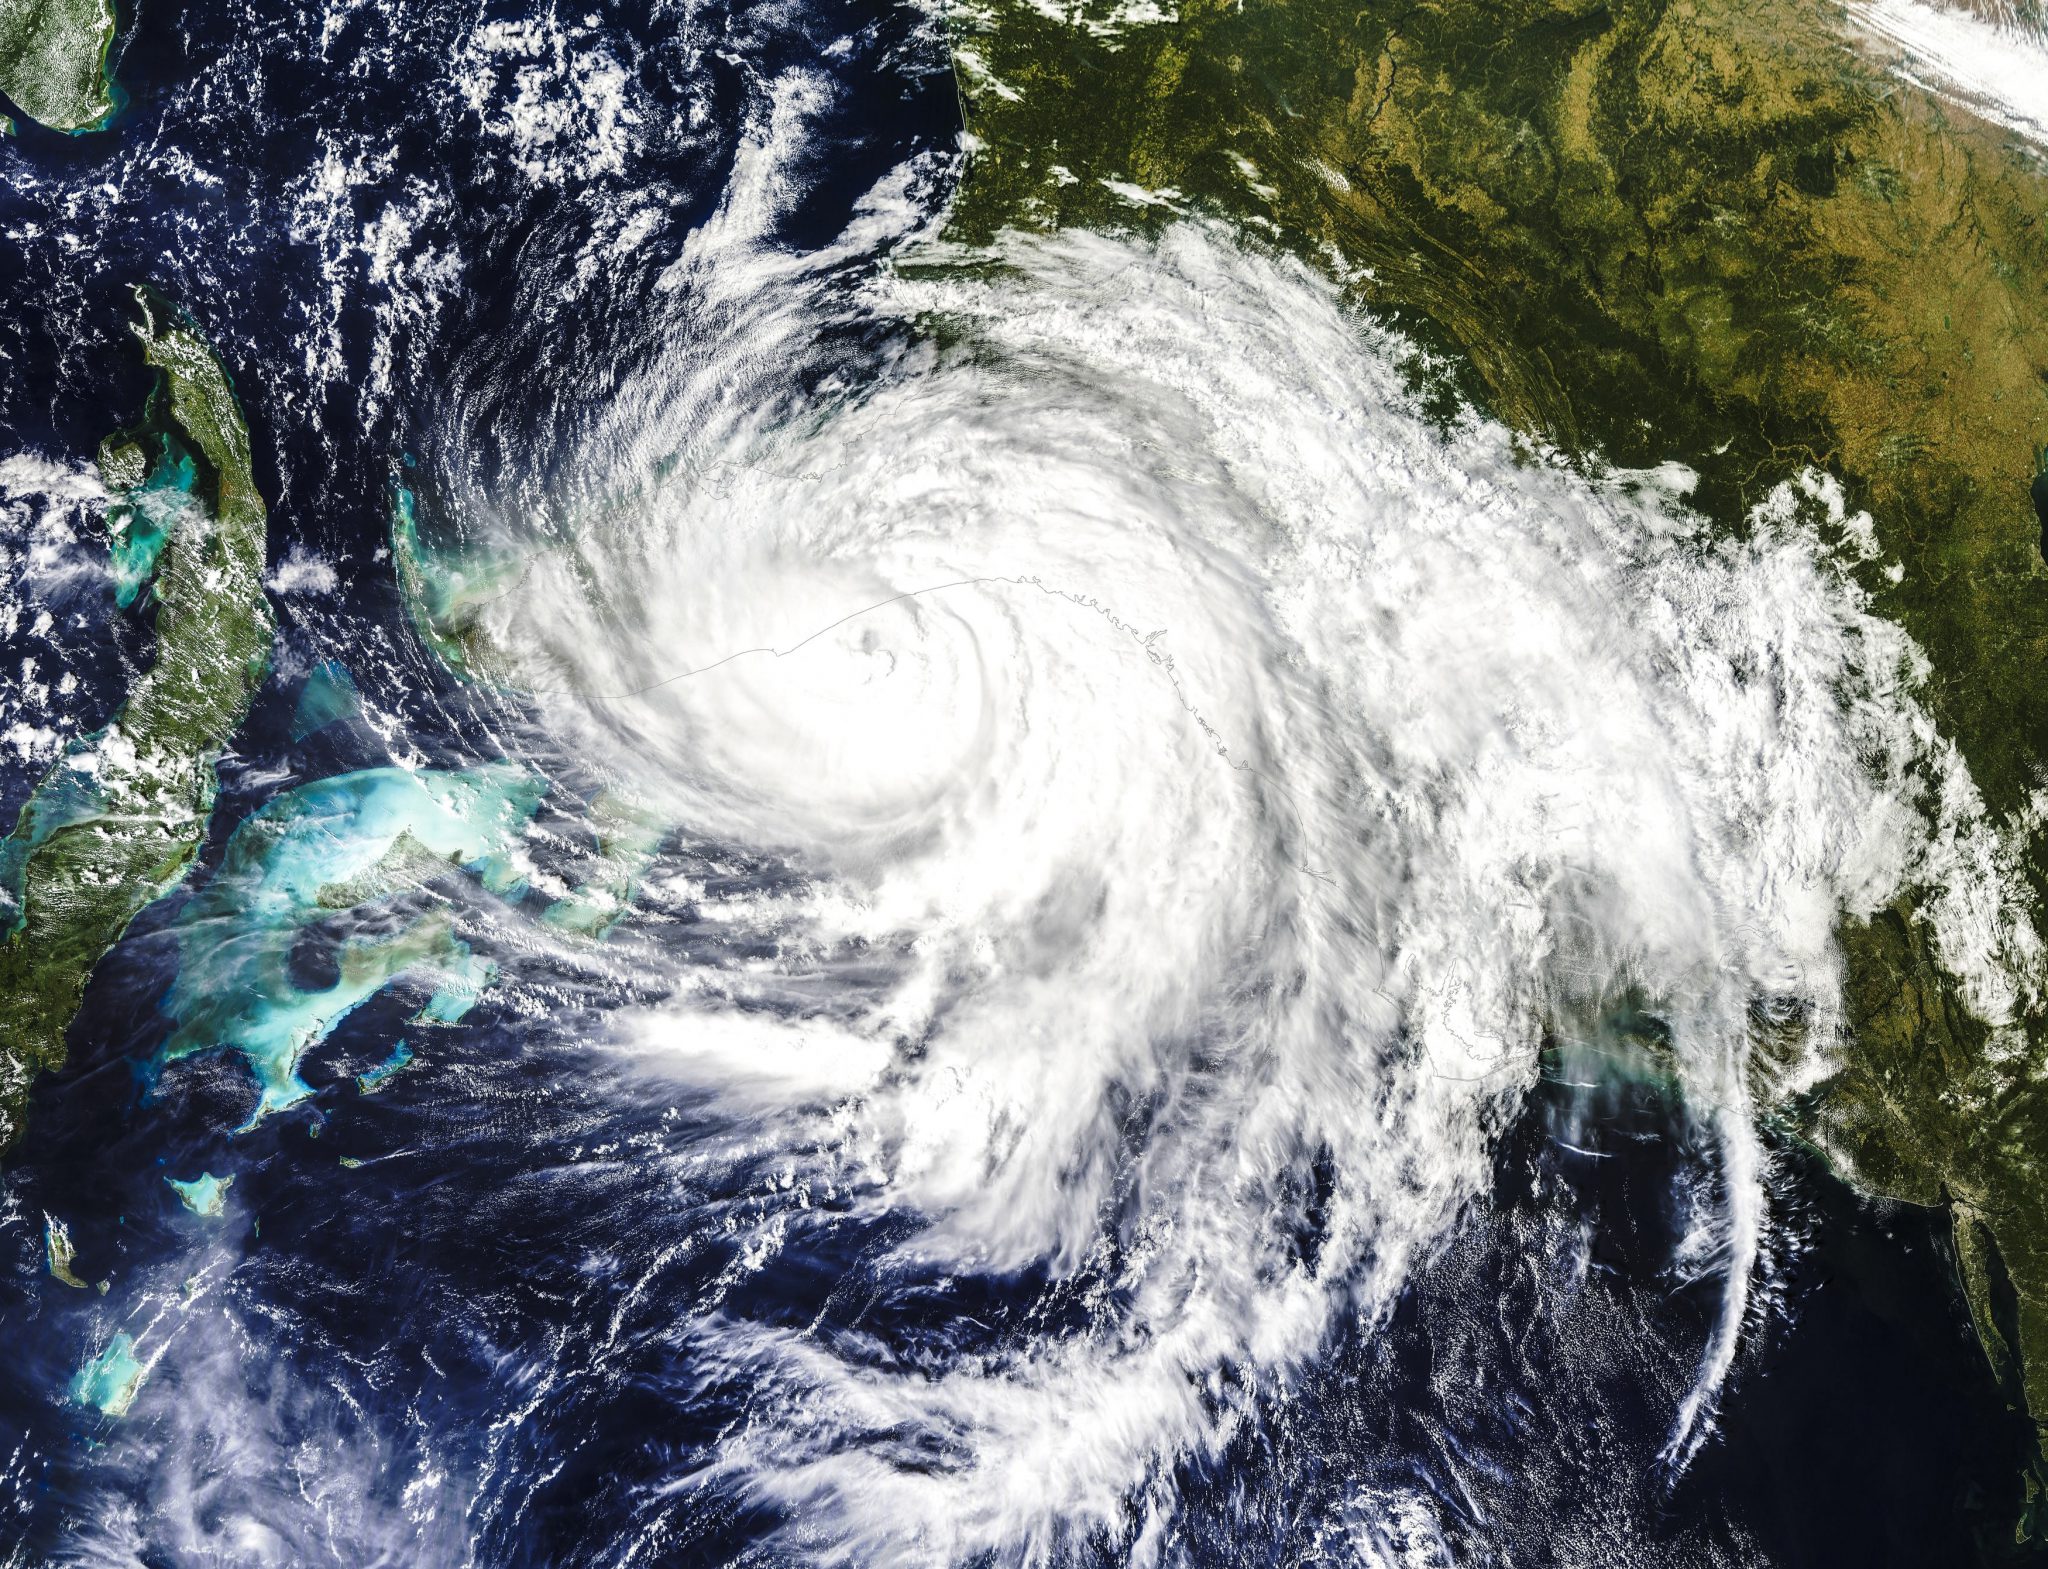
[1713, 231]
[116, 820]
[53, 60]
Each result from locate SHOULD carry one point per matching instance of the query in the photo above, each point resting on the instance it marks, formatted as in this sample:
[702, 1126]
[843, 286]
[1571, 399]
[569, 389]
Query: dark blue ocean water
[471, 1346]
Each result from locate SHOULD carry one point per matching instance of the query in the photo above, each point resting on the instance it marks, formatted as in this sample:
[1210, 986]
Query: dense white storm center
[1204, 774]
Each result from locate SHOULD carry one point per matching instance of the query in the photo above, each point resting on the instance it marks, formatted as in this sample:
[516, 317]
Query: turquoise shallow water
[111, 1380]
[142, 524]
[204, 1195]
[329, 696]
[398, 1266]
[321, 852]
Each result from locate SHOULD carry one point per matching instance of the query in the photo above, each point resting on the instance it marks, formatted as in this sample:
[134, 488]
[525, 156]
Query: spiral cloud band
[1205, 782]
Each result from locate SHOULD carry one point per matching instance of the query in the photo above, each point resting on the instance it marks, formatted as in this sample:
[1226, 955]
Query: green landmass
[373, 1079]
[115, 821]
[59, 1252]
[1717, 231]
[53, 61]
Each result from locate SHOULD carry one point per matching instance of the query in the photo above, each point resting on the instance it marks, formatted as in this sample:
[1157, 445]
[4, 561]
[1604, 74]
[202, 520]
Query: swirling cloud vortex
[1207, 778]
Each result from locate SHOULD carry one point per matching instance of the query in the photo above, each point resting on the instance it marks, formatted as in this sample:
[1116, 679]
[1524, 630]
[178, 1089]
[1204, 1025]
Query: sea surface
[509, 1303]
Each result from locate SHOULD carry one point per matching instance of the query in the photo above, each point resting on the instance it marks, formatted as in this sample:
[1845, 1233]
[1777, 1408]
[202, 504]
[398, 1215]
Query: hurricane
[1202, 786]
[893, 786]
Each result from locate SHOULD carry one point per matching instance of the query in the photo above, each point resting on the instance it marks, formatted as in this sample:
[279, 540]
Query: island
[348, 846]
[114, 823]
[53, 61]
